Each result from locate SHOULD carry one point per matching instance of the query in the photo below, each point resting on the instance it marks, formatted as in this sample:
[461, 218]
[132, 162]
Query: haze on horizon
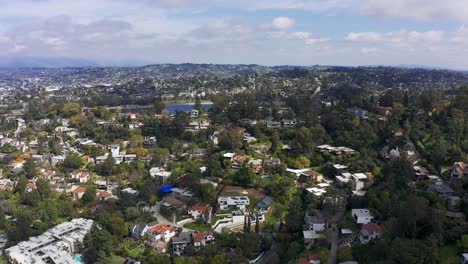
[268, 32]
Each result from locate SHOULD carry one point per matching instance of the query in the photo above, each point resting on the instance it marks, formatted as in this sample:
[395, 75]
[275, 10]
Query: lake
[173, 108]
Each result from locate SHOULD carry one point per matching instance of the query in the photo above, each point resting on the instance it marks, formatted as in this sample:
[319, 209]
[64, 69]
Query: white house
[161, 232]
[362, 216]
[237, 202]
[201, 212]
[369, 232]
[202, 239]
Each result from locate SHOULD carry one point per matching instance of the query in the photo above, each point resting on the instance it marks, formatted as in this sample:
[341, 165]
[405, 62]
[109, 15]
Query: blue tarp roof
[166, 189]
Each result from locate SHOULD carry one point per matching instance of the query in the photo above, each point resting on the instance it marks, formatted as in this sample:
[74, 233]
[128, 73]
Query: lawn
[199, 227]
[449, 254]
[112, 260]
[133, 249]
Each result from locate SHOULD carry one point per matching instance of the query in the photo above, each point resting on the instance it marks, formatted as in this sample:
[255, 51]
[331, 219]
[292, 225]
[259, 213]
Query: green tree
[90, 194]
[30, 168]
[97, 245]
[73, 161]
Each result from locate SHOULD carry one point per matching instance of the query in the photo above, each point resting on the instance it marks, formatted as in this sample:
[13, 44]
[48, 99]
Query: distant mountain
[44, 62]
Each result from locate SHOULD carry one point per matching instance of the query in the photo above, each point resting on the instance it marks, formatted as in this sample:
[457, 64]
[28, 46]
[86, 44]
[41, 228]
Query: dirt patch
[237, 190]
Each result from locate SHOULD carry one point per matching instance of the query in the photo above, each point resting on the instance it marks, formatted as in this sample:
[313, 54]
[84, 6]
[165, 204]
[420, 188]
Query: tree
[105, 168]
[30, 168]
[73, 162]
[257, 225]
[97, 244]
[90, 194]
[159, 106]
[43, 188]
[275, 143]
[295, 216]
[21, 184]
[198, 105]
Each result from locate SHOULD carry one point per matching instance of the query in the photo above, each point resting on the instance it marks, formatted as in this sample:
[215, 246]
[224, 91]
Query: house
[256, 165]
[459, 170]
[183, 194]
[311, 237]
[361, 113]
[59, 244]
[130, 190]
[383, 110]
[289, 123]
[464, 258]
[161, 233]
[199, 153]
[150, 141]
[339, 168]
[17, 165]
[310, 175]
[238, 161]
[273, 124]
[202, 239]
[315, 222]
[31, 187]
[229, 156]
[78, 193]
[265, 204]
[311, 259]
[104, 195]
[194, 113]
[140, 229]
[441, 189]
[237, 202]
[159, 174]
[174, 203]
[128, 158]
[316, 191]
[201, 212]
[360, 181]
[82, 177]
[179, 243]
[272, 162]
[369, 232]
[101, 185]
[114, 149]
[362, 216]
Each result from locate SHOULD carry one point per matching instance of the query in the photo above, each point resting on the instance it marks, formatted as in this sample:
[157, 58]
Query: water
[173, 108]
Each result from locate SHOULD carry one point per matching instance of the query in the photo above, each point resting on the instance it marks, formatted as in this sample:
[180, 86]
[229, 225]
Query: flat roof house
[362, 216]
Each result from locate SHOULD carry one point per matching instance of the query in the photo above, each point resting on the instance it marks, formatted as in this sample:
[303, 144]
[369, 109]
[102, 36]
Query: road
[334, 238]
[271, 256]
[155, 211]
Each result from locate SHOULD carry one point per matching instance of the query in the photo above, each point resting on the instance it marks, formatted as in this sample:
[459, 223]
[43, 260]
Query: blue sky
[270, 32]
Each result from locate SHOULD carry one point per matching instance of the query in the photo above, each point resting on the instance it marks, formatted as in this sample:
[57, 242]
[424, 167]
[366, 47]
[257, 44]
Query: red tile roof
[202, 208]
[162, 228]
[372, 228]
[201, 236]
[80, 190]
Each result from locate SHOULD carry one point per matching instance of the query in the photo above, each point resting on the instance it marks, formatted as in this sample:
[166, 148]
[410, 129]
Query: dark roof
[440, 188]
[266, 202]
[166, 189]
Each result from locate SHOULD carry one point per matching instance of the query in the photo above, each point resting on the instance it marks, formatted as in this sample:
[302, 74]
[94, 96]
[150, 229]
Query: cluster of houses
[166, 239]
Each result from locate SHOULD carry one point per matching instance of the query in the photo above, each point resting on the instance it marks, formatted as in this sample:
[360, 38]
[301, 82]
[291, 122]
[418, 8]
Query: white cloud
[399, 37]
[415, 9]
[307, 37]
[368, 50]
[282, 23]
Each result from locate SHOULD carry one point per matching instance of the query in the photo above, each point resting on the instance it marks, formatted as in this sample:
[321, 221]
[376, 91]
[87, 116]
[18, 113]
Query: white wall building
[362, 216]
[238, 202]
[57, 245]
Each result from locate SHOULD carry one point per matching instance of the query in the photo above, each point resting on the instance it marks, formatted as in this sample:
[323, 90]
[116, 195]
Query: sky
[267, 32]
